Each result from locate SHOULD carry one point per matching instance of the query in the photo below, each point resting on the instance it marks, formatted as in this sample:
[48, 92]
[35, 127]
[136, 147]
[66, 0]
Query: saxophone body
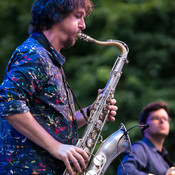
[114, 145]
[119, 141]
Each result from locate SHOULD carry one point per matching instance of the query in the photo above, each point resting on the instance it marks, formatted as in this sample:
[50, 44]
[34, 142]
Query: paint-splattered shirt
[34, 83]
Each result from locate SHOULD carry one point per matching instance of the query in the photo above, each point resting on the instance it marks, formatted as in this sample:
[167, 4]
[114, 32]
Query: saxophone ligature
[117, 142]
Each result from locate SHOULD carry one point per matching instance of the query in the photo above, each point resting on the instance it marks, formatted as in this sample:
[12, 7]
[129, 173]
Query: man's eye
[155, 118]
[78, 16]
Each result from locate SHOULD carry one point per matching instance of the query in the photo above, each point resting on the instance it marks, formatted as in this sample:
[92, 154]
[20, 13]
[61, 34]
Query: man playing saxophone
[149, 156]
[39, 124]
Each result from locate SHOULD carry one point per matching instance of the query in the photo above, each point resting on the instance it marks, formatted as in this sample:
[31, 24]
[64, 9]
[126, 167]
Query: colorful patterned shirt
[34, 82]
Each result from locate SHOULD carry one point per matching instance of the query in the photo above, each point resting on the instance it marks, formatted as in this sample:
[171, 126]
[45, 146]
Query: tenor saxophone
[117, 142]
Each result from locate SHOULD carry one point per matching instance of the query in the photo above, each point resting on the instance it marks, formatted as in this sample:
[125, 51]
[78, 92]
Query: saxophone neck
[116, 43]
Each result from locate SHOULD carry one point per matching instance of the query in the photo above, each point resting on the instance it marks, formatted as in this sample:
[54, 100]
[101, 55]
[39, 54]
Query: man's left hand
[113, 110]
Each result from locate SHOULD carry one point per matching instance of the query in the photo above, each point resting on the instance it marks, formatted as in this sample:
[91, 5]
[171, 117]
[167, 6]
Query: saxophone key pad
[94, 134]
[91, 172]
[86, 149]
[99, 124]
[99, 160]
[90, 143]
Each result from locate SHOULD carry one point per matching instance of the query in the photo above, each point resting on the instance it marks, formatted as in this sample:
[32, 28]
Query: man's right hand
[69, 153]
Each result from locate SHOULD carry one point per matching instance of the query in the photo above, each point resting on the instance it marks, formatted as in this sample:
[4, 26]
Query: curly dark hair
[150, 108]
[45, 13]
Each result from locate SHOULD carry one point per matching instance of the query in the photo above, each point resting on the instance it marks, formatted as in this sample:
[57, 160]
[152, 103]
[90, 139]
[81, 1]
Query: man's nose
[163, 119]
[82, 24]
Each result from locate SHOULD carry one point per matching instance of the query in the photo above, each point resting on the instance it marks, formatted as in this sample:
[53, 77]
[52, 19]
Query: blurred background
[146, 26]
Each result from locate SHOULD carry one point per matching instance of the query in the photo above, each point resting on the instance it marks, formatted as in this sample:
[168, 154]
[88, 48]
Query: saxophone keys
[99, 160]
[102, 116]
[94, 134]
[86, 149]
[98, 124]
[91, 172]
[90, 143]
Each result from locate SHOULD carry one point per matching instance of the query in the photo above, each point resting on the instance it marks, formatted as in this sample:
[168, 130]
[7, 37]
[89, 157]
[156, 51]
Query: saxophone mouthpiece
[85, 37]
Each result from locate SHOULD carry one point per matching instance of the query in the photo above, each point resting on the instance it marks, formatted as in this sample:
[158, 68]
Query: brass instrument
[119, 141]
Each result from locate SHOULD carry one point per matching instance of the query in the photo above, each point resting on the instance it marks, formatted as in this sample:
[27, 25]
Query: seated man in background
[149, 156]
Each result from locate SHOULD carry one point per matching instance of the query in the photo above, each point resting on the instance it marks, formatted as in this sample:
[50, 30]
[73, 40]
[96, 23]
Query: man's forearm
[30, 128]
[80, 118]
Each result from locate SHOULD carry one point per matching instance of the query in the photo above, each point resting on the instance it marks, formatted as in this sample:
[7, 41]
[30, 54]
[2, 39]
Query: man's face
[68, 28]
[159, 121]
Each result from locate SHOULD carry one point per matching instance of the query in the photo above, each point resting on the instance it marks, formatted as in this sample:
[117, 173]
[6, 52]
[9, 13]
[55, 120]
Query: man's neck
[157, 141]
[51, 38]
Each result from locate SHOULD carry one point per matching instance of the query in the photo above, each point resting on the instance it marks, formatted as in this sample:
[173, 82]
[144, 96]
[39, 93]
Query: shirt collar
[57, 56]
[152, 147]
[40, 37]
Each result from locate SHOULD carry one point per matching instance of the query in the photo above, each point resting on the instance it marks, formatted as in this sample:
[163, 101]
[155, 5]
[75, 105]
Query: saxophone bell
[111, 147]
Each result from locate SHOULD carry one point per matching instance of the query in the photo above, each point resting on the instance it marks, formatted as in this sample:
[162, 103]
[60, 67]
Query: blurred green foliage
[146, 26]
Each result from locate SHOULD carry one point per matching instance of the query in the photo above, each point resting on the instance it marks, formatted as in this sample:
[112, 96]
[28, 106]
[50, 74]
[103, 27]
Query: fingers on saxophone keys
[68, 166]
[78, 158]
[82, 157]
[113, 113]
[112, 101]
[113, 109]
